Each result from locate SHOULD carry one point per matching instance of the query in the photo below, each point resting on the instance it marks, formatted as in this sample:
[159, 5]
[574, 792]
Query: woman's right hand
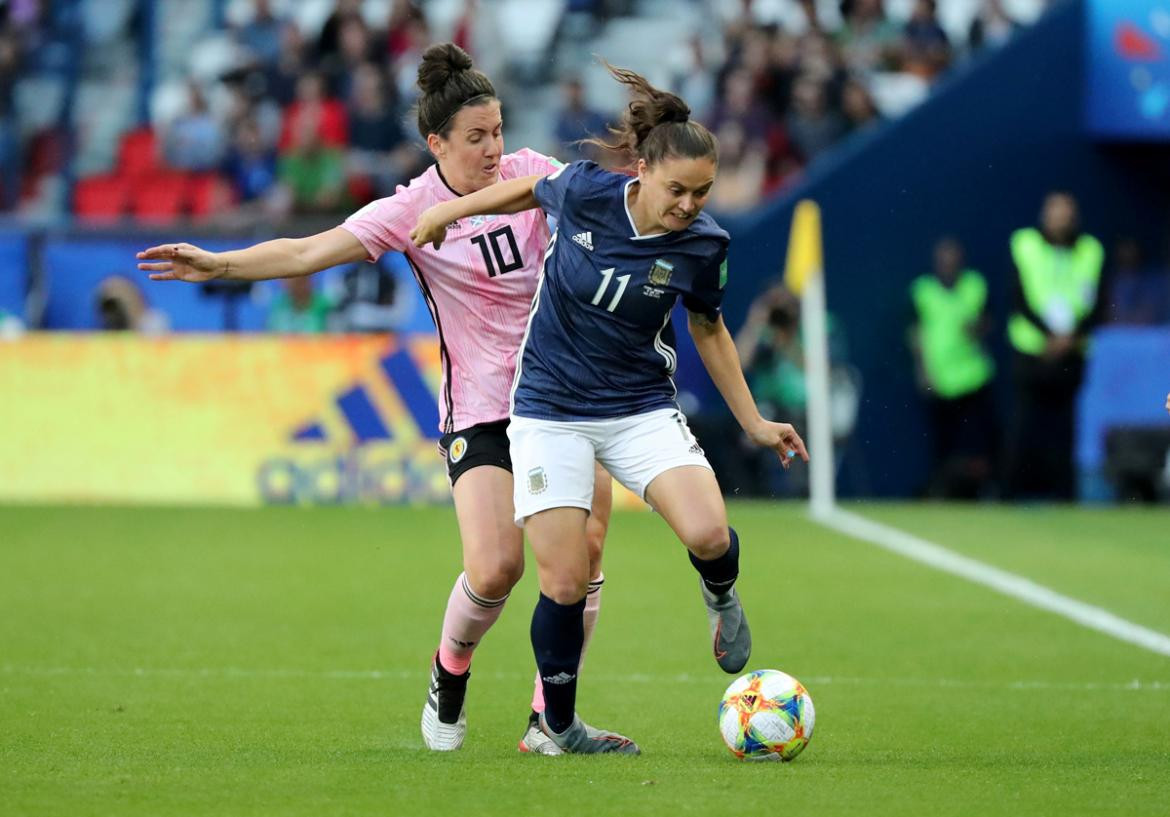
[181, 262]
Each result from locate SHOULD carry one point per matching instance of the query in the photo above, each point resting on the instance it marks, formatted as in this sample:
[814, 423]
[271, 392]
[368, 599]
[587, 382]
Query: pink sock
[467, 618]
[592, 608]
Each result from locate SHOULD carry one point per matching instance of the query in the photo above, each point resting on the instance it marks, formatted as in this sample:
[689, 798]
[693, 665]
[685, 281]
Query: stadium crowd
[293, 120]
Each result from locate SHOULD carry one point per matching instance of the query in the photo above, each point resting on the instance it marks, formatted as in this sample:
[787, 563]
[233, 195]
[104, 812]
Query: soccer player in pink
[479, 288]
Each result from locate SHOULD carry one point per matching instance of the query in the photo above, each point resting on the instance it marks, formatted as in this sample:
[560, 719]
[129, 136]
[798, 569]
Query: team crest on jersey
[479, 221]
[660, 272]
[457, 450]
[537, 481]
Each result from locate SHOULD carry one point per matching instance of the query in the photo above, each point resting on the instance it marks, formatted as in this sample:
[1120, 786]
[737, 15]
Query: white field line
[1010, 584]
[241, 673]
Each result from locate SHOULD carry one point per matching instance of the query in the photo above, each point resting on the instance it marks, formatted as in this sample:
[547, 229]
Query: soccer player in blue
[594, 378]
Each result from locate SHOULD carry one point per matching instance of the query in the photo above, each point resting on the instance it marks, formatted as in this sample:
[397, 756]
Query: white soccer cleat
[535, 741]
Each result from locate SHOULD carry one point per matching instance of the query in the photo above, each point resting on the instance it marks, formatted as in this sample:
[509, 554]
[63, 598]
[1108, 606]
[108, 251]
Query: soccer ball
[766, 715]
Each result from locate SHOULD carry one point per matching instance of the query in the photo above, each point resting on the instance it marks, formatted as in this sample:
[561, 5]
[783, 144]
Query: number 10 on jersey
[606, 276]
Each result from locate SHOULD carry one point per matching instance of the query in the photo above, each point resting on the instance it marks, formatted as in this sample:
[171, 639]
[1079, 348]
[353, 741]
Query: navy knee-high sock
[719, 574]
[558, 633]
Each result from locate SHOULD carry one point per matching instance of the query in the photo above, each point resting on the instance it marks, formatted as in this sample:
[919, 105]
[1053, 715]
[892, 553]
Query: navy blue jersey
[600, 341]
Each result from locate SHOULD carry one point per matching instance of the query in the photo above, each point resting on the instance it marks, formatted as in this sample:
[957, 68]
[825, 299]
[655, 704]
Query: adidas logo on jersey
[585, 240]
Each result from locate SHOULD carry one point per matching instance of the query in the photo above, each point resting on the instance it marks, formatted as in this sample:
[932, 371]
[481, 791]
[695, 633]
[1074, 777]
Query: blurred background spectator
[300, 308]
[80, 77]
[991, 26]
[954, 373]
[194, 139]
[576, 122]
[1139, 293]
[121, 306]
[1057, 277]
[771, 351]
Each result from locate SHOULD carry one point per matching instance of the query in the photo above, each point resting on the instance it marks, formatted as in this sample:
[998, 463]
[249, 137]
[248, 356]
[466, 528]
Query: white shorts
[552, 461]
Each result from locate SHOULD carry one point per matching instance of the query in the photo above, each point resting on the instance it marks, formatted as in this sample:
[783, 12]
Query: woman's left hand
[431, 227]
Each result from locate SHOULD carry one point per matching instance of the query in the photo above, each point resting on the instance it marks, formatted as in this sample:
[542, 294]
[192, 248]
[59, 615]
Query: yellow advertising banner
[242, 420]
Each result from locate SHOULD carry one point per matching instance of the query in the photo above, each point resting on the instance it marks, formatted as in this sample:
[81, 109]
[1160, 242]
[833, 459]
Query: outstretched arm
[501, 198]
[717, 349]
[280, 258]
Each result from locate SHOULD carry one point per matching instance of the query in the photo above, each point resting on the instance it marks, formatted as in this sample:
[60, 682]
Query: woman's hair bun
[439, 63]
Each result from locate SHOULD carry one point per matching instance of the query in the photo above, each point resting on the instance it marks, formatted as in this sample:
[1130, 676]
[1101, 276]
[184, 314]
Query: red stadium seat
[209, 194]
[159, 198]
[100, 198]
[138, 153]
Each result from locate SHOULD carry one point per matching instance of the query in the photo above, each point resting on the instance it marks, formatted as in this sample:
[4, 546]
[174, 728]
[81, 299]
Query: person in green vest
[955, 372]
[300, 309]
[1058, 276]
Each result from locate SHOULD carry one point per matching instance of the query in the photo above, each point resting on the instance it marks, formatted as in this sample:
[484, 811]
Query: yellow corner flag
[805, 258]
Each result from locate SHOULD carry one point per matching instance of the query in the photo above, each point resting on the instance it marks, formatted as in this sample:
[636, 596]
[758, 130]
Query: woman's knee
[707, 540]
[495, 575]
[564, 586]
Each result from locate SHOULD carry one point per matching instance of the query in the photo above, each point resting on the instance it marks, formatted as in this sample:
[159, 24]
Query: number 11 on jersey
[606, 275]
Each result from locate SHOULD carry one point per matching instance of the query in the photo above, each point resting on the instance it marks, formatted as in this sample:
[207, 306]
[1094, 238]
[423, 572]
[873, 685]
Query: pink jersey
[478, 285]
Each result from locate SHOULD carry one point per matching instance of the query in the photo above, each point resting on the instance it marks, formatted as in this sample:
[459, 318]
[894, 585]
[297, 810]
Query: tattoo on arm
[700, 320]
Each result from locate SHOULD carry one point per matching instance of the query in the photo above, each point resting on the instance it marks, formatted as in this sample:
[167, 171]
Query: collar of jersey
[626, 204]
[443, 179]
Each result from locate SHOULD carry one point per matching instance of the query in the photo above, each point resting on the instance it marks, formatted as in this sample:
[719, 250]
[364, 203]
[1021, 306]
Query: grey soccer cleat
[730, 636]
[537, 742]
[444, 719]
[582, 739]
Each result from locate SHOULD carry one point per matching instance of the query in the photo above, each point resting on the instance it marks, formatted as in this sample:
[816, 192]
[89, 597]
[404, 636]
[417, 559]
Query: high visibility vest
[955, 363]
[1059, 283]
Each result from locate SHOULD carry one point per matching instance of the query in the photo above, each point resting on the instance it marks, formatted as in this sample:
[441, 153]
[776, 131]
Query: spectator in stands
[247, 100]
[313, 173]
[858, 107]
[407, 44]
[282, 77]
[813, 126]
[371, 299]
[329, 41]
[399, 38]
[742, 165]
[575, 122]
[194, 140]
[380, 155]
[954, 372]
[869, 41]
[739, 104]
[926, 47]
[262, 34]
[9, 133]
[355, 48]
[300, 308]
[1057, 275]
[313, 105]
[992, 26]
[251, 162]
[694, 77]
[1139, 294]
[122, 307]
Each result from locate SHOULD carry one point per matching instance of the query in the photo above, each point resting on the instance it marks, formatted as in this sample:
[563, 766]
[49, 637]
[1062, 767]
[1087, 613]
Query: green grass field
[274, 662]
